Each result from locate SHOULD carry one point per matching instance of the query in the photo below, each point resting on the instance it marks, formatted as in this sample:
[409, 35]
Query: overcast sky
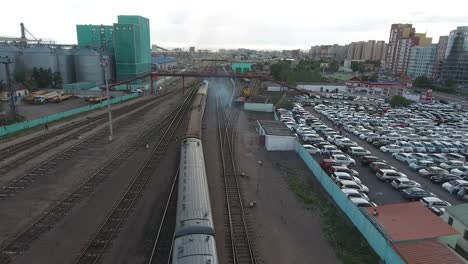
[254, 24]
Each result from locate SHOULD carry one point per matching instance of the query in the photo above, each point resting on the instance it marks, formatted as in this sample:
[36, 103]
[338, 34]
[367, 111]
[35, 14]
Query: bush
[398, 101]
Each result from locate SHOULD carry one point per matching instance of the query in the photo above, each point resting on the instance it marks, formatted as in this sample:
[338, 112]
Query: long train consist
[194, 241]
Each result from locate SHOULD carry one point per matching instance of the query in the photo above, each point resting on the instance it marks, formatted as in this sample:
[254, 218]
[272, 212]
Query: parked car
[454, 186]
[352, 185]
[461, 171]
[403, 182]
[421, 164]
[344, 160]
[354, 193]
[389, 175]
[451, 164]
[343, 169]
[415, 193]
[361, 202]
[443, 178]
[436, 205]
[367, 160]
[343, 176]
[463, 194]
[312, 150]
[391, 148]
[430, 171]
[404, 157]
[375, 166]
[327, 149]
[327, 163]
[358, 151]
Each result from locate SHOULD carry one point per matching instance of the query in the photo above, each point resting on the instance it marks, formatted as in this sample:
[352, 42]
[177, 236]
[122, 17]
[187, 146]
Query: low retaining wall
[10, 129]
[357, 216]
[257, 107]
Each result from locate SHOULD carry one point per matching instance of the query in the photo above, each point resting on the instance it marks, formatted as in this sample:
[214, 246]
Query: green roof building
[132, 46]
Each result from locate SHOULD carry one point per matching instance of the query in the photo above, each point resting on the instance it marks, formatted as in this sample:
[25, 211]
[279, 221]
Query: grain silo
[12, 53]
[65, 64]
[39, 56]
[88, 68]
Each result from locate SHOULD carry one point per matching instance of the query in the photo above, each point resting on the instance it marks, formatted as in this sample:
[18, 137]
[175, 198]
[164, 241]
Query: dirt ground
[285, 231]
[32, 111]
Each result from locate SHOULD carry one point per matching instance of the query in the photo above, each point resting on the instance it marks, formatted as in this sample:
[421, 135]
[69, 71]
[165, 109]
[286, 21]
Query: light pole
[104, 63]
[7, 61]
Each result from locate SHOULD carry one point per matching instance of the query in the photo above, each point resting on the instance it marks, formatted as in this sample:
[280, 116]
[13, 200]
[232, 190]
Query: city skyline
[208, 25]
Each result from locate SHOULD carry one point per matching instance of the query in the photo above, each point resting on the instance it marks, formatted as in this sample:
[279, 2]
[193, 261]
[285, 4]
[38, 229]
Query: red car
[327, 163]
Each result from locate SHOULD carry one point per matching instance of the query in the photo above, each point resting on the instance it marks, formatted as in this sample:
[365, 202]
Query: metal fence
[368, 229]
[10, 129]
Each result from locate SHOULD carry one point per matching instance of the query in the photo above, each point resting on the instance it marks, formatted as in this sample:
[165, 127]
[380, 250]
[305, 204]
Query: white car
[343, 176]
[353, 193]
[344, 160]
[429, 171]
[404, 157]
[402, 183]
[419, 147]
[434, 202]
[352, 185]
[388, 175]
[361, 202]
[454, 186]
[452, 164]
[421, 164]
[392, 136]
[461, 171]
[391, 148]
[326, 149]
[406, 146]
[358, 151]
[312, 150]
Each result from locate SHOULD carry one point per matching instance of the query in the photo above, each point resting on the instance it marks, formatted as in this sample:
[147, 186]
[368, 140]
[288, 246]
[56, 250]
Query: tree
[44, 78]
[334, 66]
[450, 83]
[280, 70]
[357, 66]
[374, 78]
[398, 101]
[285, 103]
[423, 82]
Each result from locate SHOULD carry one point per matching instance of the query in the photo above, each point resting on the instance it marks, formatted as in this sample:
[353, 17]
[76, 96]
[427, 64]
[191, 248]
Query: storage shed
[276, 136]
[258, 104]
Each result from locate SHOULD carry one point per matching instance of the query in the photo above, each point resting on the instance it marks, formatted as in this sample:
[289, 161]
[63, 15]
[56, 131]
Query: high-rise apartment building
[420, 39]
[455, 66]
[359, 50]
[378, 51]
[368, 50]
[398, 49]
[335, 52]
[421, 61]
[132, 46]
[440, 56]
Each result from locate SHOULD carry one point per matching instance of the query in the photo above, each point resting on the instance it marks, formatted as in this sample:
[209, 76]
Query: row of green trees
[423, 82]
[37, 77]
[304, 71]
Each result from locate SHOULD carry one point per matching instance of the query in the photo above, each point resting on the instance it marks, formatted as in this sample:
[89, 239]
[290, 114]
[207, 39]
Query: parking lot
[428, 140]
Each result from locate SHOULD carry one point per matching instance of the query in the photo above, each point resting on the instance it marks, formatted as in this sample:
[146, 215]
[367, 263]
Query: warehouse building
[163, 63]
[457, 217]
[276, 136]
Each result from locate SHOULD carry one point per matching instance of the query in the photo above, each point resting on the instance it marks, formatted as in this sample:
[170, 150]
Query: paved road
[382, 192]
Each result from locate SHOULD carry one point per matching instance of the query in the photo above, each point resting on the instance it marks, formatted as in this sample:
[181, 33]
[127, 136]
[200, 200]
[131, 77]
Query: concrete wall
[280, 143]
[276, 88]
[257, 107]
[316, 87]
[457, 225]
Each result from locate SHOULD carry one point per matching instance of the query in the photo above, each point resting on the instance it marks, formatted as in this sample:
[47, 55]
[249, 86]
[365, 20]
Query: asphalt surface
[381, 192]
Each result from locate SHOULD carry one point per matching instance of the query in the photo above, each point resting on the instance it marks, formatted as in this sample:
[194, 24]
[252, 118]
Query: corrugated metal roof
[460, 212]
[409, 221]
[275, 128]
[161, 60]
[427, 252]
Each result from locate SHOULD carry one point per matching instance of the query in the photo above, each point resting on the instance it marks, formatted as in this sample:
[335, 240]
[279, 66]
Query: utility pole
[7, 61]
[104, 63]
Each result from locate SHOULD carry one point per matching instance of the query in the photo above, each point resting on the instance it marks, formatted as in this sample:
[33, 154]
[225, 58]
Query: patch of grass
[348, 243]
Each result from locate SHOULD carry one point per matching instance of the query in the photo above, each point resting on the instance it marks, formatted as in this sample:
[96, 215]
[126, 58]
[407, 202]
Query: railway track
[241, 245]
[54, 215]
[84, 125]
[19, 184]
[164, 237]
[108, 230]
